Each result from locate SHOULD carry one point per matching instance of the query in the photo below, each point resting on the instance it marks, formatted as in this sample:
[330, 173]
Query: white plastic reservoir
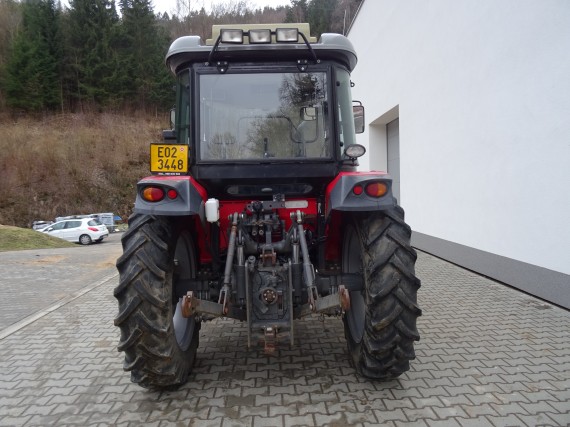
[212, 210]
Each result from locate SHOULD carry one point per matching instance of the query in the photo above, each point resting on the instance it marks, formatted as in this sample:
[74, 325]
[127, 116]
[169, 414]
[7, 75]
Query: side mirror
[308, 114]
[170, 134]
[172, 117]
[358, 113]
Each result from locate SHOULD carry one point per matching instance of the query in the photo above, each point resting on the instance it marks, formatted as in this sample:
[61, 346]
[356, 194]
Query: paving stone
[66, 409]
[479, 410]
[479, 399]
[391, 415]
[283, 410]
[334, 407]
[292, 421]
[434, 391]
[14, 411]
[127, 416]
[274, 400]
[185, 415]
[36, 420]
[417, 423]
[268, 421]
[167, 415]
[443, 423]
[289, 399]
[74, 419]
[538, 396]
[510, 408]
[198, 422]
[473, 368]
[560, 419]
[312, 408]
[337, 419]
[538, 420]
[475, 422]
[399, 403]
[449, 412]
[66, 399]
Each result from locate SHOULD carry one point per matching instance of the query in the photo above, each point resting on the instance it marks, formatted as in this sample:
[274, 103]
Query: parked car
[38, 225]
[108, 219]
[81, 230]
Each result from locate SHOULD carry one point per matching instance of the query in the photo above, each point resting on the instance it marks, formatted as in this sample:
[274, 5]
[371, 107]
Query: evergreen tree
[32, 76]
[298, 12]
[10, 22]
[320, 14]
[92, 34]
[145, 81]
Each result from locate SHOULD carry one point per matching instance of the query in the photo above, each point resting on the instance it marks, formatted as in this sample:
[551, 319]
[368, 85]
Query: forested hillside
[84, 90]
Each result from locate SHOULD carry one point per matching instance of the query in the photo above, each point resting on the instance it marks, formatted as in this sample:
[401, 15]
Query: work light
[231, 36]
[354, 151]
[287, 35]
[259, 36]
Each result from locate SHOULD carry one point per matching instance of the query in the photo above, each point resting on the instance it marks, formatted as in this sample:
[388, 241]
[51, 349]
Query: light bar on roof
[259, 36]
[231, 36]
[287, 35]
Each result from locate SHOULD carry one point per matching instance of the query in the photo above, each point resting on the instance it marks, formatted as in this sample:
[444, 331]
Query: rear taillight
[357, 189]
[376, 189]
[153, 194]
[372, 189]
[93, 229]
[172, 194]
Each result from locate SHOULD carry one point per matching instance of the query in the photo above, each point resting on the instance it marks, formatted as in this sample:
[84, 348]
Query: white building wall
[482, 90]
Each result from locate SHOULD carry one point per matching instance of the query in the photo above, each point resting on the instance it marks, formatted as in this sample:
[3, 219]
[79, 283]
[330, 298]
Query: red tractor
[255, 210]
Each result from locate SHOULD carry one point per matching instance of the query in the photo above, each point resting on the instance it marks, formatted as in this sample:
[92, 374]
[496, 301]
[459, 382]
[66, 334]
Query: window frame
[328, 123]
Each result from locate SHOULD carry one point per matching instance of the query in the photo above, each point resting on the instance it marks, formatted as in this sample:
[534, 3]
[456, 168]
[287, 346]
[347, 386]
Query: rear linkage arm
[316, 304]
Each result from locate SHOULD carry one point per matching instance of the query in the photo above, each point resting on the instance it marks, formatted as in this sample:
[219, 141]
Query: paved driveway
[489, 355]
[35, 279]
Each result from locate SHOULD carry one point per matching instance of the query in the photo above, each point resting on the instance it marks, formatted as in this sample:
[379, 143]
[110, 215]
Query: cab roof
[191, 49]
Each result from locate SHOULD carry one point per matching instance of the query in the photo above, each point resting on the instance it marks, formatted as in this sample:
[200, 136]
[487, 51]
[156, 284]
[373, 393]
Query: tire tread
[144, 294]
[388, 262]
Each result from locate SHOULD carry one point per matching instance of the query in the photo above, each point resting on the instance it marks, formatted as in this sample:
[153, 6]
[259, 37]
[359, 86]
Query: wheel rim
[184, 270]
[85, 239]
[183, 327]
[351, 263]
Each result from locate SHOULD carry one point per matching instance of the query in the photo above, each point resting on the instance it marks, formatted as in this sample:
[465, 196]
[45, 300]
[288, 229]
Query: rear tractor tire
[380, 327]
[159, 344]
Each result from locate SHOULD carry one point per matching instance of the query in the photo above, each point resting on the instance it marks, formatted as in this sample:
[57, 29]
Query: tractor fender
[190, 196]
[341, 197]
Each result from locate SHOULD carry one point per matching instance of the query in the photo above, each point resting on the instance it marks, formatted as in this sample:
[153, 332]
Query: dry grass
[72, 164]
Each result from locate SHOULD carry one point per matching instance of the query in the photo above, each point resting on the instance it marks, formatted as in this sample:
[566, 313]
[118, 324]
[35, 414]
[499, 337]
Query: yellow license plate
[168, 158]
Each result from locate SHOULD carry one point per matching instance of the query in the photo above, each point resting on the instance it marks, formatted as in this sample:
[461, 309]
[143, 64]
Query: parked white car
[38, 225]
[82, 230]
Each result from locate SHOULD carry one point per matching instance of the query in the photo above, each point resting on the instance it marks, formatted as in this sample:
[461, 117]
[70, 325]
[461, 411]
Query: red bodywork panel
[229, 207]
[333, 230]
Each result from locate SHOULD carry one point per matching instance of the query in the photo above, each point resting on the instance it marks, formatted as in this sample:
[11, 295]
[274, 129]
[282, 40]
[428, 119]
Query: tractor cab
[262, 109]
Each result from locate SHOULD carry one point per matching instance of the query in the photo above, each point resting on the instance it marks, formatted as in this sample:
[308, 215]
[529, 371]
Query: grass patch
[16, 239]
